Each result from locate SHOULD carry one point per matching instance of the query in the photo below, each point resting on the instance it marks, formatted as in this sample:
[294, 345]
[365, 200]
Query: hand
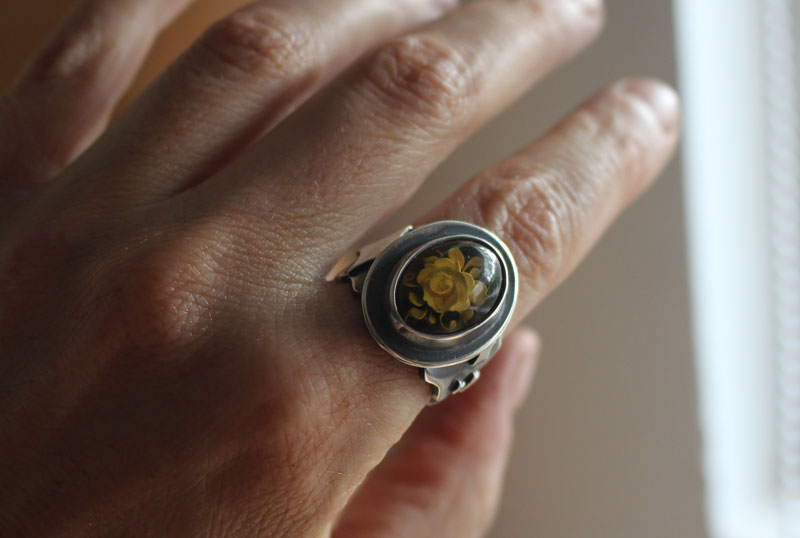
[172, 362]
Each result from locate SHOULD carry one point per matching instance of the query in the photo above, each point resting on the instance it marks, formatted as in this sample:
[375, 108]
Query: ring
[438, 297]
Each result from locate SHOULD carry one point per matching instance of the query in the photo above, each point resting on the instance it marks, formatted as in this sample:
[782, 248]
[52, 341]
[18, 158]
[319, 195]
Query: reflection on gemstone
[449, 288]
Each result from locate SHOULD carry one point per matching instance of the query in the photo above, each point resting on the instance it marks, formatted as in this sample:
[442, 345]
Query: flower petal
[475, 261]
[447, 264]
[425, 275]
[416, 313]
[457, 257]
[450, 327]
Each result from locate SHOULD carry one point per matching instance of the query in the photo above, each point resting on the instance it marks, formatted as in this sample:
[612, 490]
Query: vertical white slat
[728, 205]
[782, 118]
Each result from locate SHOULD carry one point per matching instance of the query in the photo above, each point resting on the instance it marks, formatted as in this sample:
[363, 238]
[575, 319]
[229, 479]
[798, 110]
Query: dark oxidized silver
[451, 362]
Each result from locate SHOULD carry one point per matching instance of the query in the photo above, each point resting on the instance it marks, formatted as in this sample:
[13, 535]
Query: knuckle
[76, 52]
[536, 213]
[569, 23]
[260, 41]
[425, 75]
[169, 294]
[624, 133]
[633, 131]
[566, 15]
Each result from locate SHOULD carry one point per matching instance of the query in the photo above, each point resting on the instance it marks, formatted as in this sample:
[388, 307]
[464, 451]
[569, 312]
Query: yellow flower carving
[448, 285]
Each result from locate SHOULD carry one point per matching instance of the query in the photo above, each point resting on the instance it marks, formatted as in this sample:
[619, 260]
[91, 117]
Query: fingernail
[521, 375]
[662, 100]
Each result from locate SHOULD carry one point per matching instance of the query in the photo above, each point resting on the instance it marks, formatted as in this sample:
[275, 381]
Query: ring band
[438, 297]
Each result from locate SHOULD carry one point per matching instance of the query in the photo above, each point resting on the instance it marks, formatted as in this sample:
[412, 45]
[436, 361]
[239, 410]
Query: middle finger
[360, 148]
[245, 74]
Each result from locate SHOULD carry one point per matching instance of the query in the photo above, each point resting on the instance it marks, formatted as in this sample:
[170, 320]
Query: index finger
[553, 200]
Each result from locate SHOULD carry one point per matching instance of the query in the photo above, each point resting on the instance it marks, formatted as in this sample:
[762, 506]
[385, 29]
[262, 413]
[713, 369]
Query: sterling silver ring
[438, 297]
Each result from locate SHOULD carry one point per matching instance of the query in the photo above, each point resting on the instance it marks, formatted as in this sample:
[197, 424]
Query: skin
[172, 362]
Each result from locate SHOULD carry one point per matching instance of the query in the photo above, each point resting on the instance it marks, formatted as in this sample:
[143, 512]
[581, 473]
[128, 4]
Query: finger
[241, 78]
[551, 201]
[378, 132]
[63, 99]
[444, 477]
[365, 141]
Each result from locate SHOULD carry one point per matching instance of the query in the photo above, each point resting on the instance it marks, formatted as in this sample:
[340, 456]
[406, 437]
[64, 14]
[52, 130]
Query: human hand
[172, 362]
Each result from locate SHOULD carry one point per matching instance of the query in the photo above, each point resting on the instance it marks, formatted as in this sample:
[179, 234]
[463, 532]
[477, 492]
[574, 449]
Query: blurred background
[609, 443]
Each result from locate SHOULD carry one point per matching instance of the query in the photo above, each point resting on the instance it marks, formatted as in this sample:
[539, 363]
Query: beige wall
[608, 444]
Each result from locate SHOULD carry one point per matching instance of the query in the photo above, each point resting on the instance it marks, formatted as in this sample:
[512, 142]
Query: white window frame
[738, 71]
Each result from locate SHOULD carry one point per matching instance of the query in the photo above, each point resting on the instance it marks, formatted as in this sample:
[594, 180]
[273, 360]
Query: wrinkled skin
[172, 362]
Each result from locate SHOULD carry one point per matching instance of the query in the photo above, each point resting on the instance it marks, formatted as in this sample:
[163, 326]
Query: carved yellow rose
[448, 285]
[445, 285]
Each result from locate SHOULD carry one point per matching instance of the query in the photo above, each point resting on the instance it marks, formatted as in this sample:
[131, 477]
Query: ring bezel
[427, 350]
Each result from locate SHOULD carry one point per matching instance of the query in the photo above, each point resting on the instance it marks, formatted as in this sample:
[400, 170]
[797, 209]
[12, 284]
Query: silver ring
[438, 297]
